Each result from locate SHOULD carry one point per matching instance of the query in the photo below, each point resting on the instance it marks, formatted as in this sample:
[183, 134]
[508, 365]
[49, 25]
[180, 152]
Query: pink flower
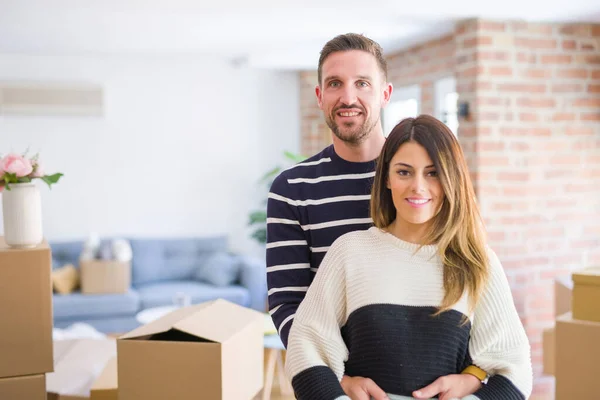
[16, 164]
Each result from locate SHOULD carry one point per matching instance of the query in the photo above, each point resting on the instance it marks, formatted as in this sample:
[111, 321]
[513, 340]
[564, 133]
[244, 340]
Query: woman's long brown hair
[457, 228]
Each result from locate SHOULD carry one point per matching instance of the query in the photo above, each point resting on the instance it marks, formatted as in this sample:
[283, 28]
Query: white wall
[178, 152]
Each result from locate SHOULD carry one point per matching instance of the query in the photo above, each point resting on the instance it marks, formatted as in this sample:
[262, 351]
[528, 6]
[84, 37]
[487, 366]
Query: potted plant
[21, 204]
[258, 218]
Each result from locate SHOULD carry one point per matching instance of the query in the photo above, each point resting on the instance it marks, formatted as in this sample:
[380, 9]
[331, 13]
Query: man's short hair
[352, 41]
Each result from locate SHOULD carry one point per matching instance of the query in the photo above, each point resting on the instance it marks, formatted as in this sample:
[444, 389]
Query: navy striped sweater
[310, 205]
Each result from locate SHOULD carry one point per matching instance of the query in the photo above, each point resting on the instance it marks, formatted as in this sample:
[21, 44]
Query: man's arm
[288, 257]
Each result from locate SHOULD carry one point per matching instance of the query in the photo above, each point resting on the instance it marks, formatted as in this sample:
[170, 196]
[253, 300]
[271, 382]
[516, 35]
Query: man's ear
[319, 94]
[387, 95]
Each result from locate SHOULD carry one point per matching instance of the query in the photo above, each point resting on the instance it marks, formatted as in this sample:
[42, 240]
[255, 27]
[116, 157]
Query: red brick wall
[315, 132]
[534, 147]
[532, 142]
[423, 65]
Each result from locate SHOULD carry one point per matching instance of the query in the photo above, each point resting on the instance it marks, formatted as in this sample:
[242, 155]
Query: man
[327, 195]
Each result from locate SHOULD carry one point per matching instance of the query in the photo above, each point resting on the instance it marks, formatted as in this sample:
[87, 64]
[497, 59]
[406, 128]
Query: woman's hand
[358, 388]
[450, 387]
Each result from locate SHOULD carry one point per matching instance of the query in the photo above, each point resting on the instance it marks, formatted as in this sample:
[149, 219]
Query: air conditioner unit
[50, 99]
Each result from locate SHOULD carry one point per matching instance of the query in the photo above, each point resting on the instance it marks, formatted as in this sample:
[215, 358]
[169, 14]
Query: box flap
[61, 348]
[587, 276]
[108, 378]
[165, 323]
[215, 320]
[218, 321]
[79, 366]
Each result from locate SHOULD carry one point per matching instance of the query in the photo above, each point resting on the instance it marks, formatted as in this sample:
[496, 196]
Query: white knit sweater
[368, 313]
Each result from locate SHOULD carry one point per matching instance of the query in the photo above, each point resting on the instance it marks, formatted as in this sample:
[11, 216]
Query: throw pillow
[219, 269]
[65, 279]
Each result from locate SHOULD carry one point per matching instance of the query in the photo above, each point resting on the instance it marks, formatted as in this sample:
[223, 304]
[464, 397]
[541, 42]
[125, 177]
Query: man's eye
[334, 84]
[363, 84]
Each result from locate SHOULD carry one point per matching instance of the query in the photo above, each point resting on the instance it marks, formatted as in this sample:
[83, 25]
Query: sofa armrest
[253, 276]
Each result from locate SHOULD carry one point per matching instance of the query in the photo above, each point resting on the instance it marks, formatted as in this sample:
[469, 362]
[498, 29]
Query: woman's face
[417, 192]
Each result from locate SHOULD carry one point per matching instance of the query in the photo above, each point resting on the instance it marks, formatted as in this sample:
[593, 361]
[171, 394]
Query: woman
[418, 296]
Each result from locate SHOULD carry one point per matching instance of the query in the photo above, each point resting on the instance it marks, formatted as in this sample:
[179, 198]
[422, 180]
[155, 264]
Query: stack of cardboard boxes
[572, 347]
[26, 352]
[212, 350]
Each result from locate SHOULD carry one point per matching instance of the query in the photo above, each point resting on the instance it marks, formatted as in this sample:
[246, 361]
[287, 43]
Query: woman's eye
[432, 173]
[403, 172]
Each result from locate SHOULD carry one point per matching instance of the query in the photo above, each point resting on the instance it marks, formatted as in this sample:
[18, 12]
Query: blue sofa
[161, 268]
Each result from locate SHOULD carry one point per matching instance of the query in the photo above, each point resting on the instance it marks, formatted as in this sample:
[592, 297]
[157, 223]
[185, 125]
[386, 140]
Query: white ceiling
[261, 33]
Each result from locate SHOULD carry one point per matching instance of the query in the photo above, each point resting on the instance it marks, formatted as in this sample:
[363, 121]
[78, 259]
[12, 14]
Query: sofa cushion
[158, 260]
[161, 294]
[87, 306]
[220, 269]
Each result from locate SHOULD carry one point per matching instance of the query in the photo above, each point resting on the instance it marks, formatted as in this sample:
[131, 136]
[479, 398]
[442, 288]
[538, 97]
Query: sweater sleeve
[499, 344]
[316, 350]
[288, 257]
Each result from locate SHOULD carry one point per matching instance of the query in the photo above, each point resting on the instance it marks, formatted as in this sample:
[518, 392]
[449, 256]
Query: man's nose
[348, 96]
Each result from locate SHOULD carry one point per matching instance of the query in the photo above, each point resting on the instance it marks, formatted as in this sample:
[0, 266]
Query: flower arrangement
[15, 168]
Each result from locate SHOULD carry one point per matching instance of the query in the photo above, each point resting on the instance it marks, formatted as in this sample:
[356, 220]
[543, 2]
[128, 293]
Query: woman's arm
[498, 342]
[316, 351]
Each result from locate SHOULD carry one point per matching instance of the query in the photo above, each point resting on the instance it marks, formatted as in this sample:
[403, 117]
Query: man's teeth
[348, 114]
[420, 201]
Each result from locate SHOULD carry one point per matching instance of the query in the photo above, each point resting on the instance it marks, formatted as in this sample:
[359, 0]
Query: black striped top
[310, 205]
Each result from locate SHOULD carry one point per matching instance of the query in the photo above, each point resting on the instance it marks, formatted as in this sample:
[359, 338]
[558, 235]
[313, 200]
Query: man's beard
[356, 135]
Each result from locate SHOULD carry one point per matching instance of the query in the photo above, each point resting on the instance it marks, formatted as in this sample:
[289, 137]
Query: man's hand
[358, 388]
[450, 387]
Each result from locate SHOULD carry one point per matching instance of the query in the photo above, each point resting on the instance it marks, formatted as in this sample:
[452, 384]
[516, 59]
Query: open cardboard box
[104, 276]
[212, 350]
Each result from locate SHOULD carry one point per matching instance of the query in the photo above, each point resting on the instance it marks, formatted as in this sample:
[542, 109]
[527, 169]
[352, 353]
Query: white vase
[22, 213]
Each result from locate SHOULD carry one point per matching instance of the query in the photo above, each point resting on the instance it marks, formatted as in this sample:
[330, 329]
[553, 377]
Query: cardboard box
[212, 350]
[25, 310]
[586, 294]
[563, 292]
[549, 342]
[577, 358]
[29, 387]
[78, 364]
[103, 277]
[106, 386]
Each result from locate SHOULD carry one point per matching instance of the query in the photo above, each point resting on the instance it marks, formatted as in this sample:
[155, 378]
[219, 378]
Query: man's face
[352, 94]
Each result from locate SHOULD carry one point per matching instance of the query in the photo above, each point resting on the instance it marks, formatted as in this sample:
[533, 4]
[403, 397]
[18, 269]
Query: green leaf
[260, 235]
[51, 179]
[270, 174]
[11, 178]
[296, 158]
[258, 217]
